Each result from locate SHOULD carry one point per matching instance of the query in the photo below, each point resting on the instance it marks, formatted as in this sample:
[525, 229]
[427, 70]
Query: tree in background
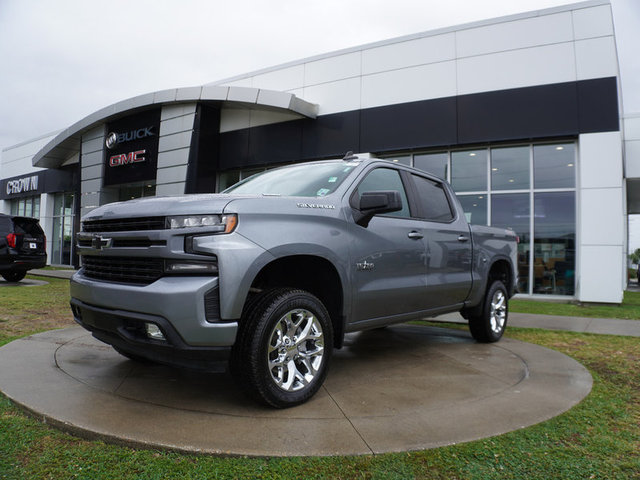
[635, 259]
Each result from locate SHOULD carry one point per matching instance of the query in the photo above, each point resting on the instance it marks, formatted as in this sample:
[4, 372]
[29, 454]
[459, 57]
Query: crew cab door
[448, 243]
[388, 255]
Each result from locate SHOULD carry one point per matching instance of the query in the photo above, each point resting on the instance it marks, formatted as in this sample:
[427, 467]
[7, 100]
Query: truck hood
[162, 206]
[214, 203]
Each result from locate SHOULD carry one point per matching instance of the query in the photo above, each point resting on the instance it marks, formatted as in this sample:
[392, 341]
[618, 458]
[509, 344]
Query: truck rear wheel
[490, 324]
[282, 352]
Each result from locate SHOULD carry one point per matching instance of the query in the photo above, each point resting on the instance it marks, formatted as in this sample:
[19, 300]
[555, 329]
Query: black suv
[22, 247]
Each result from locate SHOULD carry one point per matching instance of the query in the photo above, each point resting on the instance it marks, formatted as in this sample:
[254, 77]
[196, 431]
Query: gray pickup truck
[272, 273]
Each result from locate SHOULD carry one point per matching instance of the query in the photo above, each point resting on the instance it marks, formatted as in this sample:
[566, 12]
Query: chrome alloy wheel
[498, 314]
[295, 351]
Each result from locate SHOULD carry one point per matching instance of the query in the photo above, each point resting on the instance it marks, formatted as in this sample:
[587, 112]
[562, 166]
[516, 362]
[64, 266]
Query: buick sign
[115, 138]
[112, 140]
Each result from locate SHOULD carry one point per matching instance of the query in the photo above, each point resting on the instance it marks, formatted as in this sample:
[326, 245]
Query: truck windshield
[302, 180]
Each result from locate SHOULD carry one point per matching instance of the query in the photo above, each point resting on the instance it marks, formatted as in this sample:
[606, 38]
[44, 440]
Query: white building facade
[521, 114]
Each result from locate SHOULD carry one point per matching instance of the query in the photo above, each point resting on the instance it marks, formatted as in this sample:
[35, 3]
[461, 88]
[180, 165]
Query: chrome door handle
[462, 238]
[415, 235]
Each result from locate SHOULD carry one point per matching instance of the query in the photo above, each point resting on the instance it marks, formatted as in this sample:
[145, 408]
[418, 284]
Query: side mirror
[375, 203]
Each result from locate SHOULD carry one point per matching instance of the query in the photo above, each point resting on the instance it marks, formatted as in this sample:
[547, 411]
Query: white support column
[46, 221]
[601, 219]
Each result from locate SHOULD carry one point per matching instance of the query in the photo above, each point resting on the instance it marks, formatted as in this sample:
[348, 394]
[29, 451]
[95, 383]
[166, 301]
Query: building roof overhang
[67, 142]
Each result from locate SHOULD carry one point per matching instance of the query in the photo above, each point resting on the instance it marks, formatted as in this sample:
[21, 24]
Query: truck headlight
[215, 223]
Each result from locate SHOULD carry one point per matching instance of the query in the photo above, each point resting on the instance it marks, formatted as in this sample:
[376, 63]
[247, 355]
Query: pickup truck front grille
[124, 224]
[139, 271]
[126, 243]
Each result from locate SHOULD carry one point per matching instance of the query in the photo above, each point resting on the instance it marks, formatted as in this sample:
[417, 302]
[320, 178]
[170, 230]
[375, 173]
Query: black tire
[489, 326]
[271, 360]
[14, 276]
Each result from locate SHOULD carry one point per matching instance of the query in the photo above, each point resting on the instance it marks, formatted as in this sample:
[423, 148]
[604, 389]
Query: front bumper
[176, 304]
[125, 331]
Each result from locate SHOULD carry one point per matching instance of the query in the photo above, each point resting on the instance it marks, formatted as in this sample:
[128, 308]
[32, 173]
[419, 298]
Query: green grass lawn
[599, 438]
[629, 309]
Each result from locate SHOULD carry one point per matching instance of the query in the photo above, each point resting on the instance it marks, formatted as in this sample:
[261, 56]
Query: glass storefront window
[26, 207]
[62, 241]
[226, 179]
[554, 166]
[404, 160]
[475, 208]
[469, 170]
[129, 192]
[554, 243]
[434, 163]
[521, 177]
[512, 211]
[510, 168]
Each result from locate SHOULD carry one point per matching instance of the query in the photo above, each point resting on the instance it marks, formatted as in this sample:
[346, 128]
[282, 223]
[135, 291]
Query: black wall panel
[522, 113]
[539, 112]
[598, 105]
[409, 125]
[204, 151]
[275, 143]
[331, 135]
[234, 149]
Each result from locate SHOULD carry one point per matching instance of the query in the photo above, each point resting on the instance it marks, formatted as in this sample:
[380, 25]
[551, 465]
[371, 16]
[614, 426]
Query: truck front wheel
[490, 324]
[282, 352]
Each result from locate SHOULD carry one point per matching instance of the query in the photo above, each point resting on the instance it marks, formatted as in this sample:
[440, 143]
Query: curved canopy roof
[67, 142]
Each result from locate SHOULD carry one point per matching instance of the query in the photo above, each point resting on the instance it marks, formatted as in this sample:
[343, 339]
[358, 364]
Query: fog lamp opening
[154, 332]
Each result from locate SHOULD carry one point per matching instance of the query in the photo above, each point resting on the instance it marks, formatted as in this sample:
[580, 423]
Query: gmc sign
[127, 158]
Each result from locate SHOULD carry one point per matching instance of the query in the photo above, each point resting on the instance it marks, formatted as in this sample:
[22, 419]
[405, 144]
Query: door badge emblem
[365, 265]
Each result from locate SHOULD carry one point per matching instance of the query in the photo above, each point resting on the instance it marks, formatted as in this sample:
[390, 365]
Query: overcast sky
[62, 60]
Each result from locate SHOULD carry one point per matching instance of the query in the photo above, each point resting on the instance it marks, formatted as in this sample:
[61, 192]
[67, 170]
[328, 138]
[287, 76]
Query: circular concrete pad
[397, 389]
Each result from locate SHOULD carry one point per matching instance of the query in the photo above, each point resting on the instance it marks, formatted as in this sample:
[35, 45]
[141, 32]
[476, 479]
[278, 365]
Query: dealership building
[522, 114]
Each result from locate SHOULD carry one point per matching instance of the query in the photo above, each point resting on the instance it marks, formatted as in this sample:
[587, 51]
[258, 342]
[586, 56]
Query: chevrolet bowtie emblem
[98, 242]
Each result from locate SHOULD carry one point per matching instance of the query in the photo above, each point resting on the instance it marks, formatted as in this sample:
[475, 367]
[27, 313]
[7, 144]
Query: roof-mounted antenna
[350, 156]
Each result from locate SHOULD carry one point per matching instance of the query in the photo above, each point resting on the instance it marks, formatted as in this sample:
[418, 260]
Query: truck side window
[386, 179]
[434, 204]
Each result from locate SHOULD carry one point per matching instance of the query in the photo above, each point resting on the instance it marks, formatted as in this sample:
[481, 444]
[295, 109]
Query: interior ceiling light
[472, 154]
[494, 169]
[559, 148]
[569, 164]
